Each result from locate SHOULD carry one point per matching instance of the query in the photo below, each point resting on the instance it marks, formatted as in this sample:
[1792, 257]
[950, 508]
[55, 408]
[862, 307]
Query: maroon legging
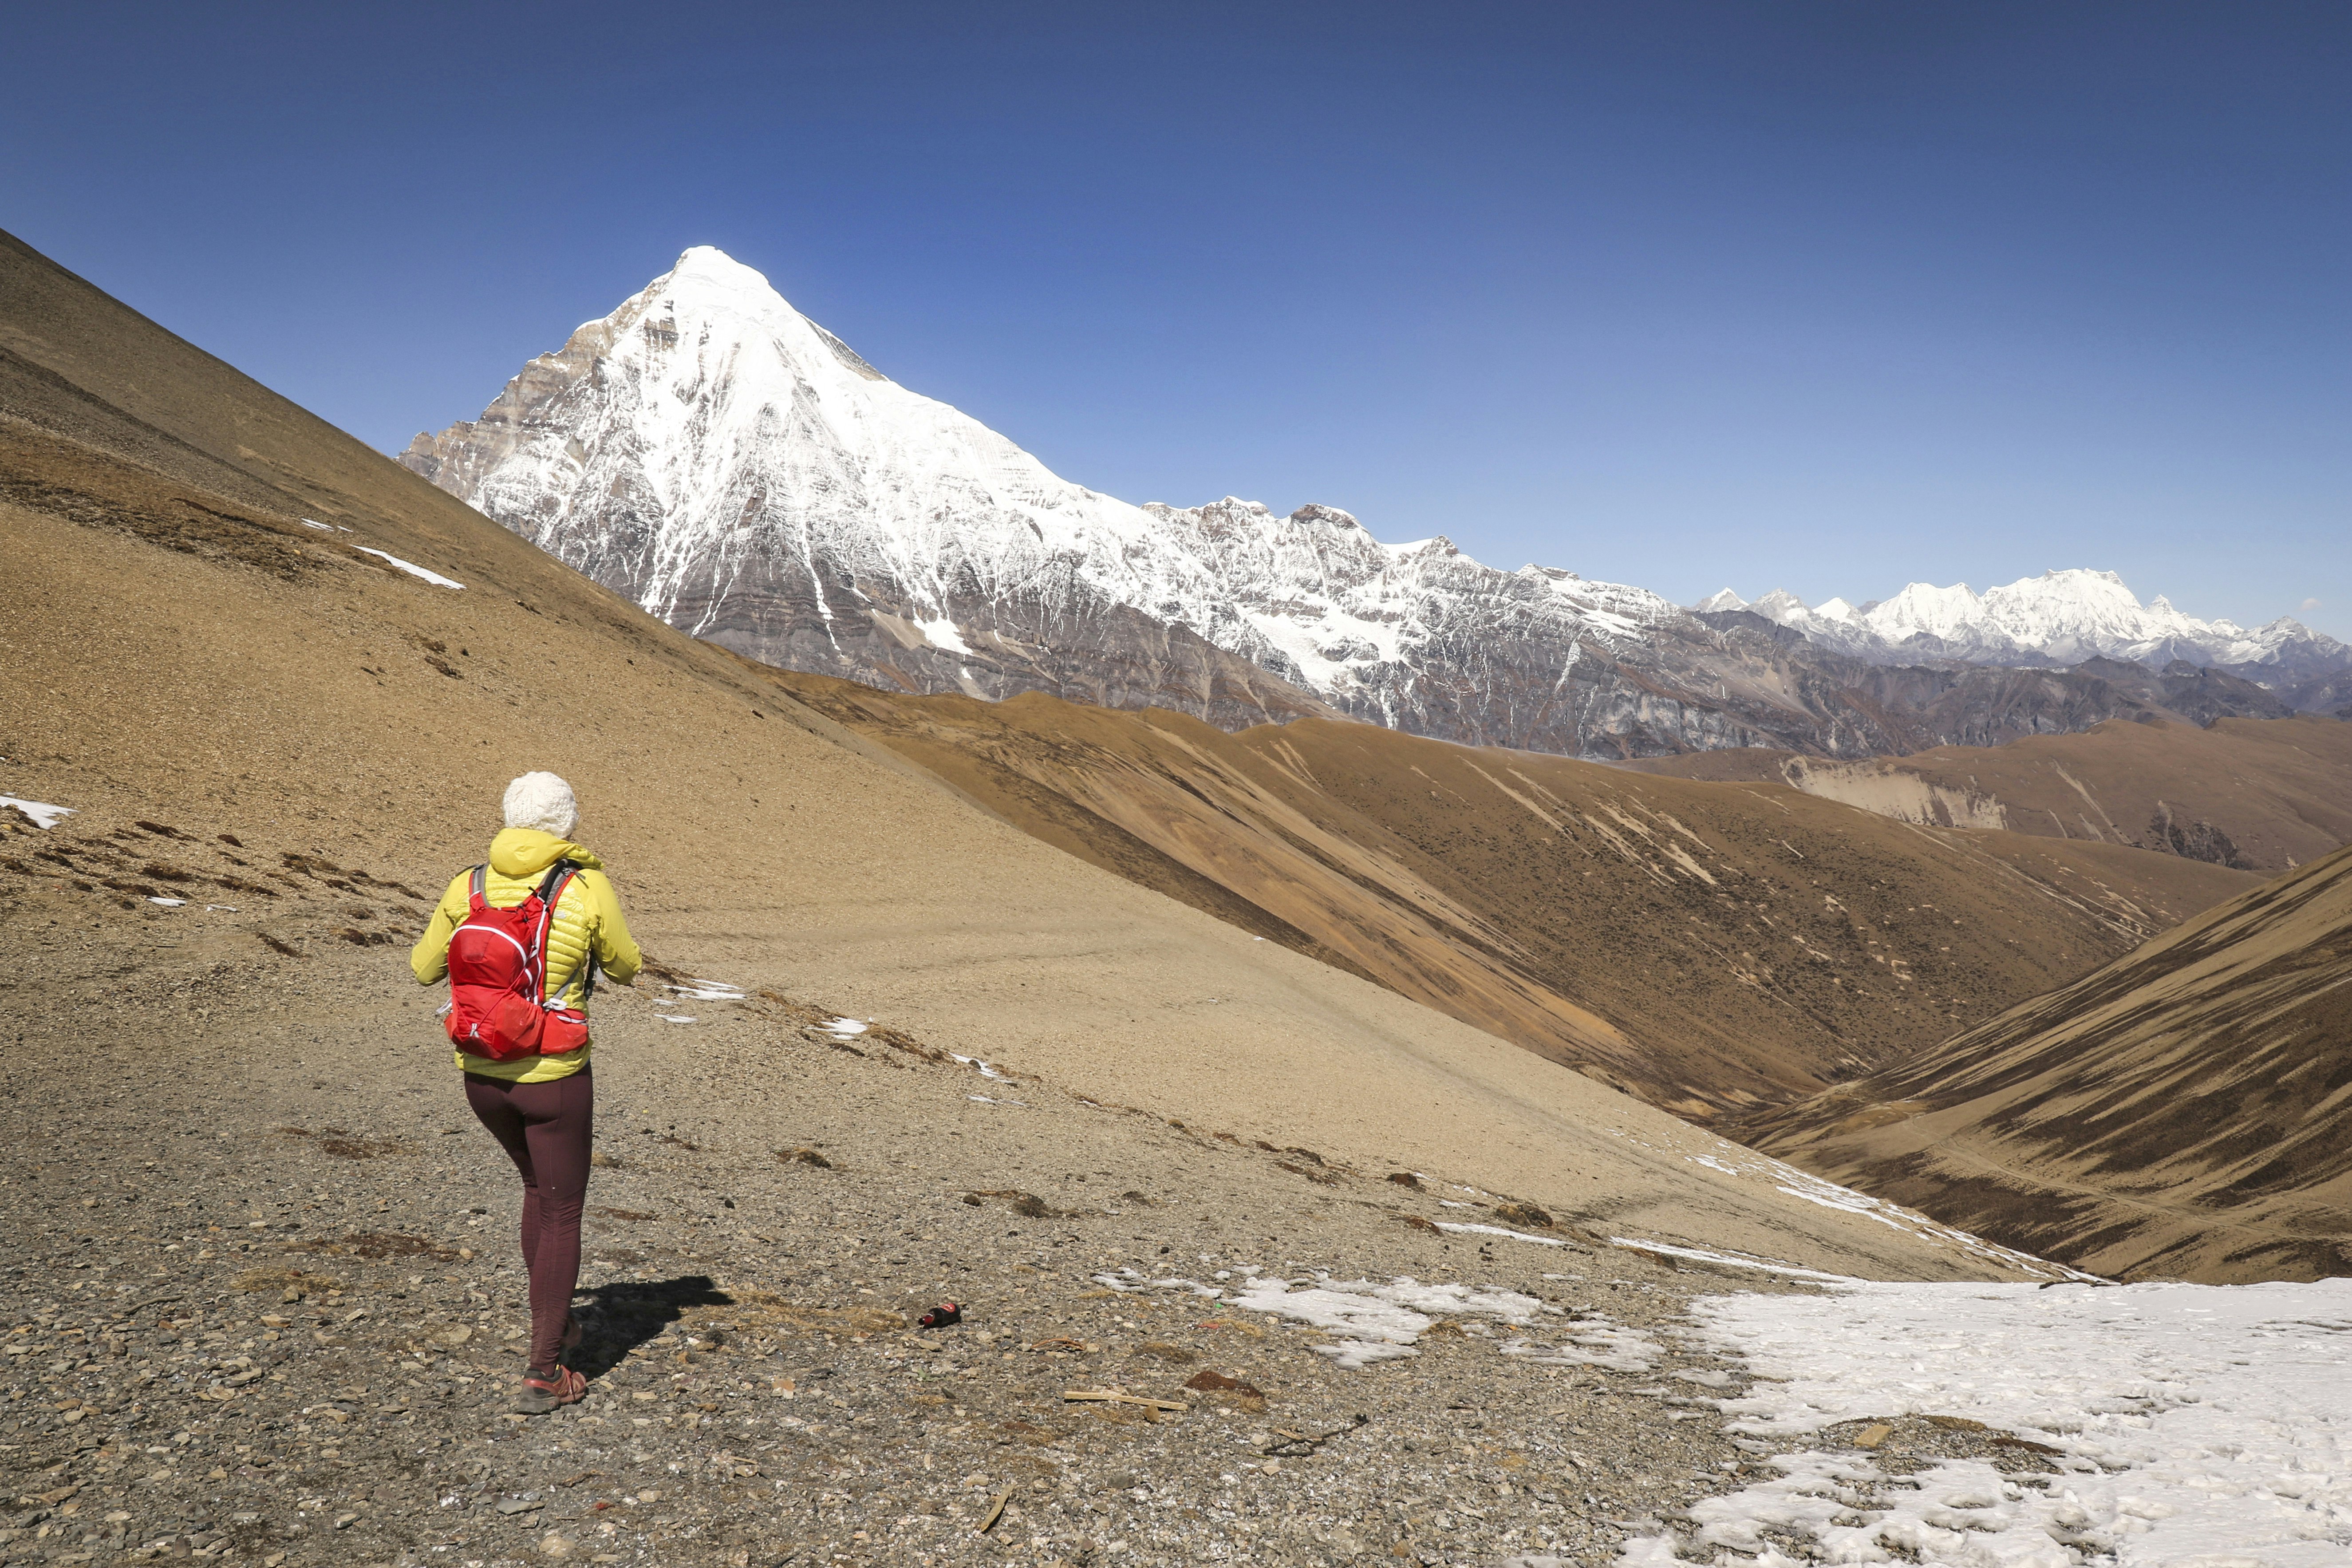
[545, 1129]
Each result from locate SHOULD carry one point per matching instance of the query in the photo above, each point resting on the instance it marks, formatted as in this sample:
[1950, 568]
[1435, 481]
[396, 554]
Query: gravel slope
[288, 1325]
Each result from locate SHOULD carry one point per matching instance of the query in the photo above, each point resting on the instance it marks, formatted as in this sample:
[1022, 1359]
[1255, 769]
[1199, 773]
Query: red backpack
[498, 1006]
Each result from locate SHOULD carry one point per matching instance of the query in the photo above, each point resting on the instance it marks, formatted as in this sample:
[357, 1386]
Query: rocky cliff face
[744, 474]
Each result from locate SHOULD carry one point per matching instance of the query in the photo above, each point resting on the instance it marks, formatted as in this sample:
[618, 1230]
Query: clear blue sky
[1828, 297]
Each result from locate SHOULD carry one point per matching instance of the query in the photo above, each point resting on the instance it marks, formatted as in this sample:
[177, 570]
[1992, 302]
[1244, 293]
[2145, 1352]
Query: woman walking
[521, 938]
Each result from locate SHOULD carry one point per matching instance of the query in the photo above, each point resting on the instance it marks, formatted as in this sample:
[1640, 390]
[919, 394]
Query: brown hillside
[2180, 1113]
[2264, 794]
[302, 741]
[1702, 946]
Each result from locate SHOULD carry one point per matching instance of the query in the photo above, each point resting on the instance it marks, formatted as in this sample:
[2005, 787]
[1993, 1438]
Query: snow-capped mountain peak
[1924, 607]
[2059, 618]
[741, 472]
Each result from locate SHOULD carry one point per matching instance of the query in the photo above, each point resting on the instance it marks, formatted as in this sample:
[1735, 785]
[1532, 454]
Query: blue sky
[1828, 297]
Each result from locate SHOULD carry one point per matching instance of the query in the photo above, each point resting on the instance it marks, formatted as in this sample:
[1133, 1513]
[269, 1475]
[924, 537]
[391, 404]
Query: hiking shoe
[544, 1391]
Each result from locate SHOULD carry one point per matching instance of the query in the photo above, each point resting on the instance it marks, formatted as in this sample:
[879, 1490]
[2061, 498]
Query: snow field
[1374, 1322]
[2198, 1426]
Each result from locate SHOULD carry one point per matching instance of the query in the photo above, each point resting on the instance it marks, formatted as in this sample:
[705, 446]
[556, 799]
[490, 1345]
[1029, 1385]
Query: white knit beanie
[543, 801]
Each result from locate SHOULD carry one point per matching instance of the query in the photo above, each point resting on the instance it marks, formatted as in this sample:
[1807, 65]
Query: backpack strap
[476, 897]
[551, 890]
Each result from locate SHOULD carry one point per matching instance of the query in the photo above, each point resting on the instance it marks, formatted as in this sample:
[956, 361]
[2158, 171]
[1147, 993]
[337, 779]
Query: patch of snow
[1128, 1282]
[1375, 1322]
[324, 527]
[1354, 1355]
[707, 991]
[168, 903]
[985, 1100]
[1593, 1343]
[42, 815]
[1498, 1230]
[987, 1069]
[844, 1028]
[2195, 1424]
[411, 567]
[1703, 1255]
[676, 1018]
[943, 633]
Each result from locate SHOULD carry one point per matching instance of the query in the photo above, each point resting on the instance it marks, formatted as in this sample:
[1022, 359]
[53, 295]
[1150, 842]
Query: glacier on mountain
[740, 472]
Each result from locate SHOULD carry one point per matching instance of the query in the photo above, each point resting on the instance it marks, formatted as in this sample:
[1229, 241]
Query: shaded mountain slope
[2260, 795]
[1702, 946]
[2182, 1113]
[298, 741]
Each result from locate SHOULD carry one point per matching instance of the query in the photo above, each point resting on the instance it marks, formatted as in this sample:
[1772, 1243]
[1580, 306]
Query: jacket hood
[526, 852]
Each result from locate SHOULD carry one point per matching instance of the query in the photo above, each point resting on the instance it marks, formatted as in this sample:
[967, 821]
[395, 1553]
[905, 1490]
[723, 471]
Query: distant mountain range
[741, 472]
[2060, 619]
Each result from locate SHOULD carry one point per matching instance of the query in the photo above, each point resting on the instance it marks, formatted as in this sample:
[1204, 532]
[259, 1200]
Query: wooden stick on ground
[1114, 1397]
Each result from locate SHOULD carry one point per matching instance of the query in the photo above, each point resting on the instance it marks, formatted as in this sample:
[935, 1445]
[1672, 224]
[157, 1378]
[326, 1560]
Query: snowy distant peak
[1924, 607]
[1722, 600]
[2060, 617]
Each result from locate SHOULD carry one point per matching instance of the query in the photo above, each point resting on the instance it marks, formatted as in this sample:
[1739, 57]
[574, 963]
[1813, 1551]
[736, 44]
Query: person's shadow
[619, 1317]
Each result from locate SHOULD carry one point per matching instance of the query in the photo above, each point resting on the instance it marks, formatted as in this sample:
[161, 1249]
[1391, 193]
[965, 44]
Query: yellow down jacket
[587, 920]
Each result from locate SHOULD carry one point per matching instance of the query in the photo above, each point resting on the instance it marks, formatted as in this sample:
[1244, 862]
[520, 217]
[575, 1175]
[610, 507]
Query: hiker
[522, 939]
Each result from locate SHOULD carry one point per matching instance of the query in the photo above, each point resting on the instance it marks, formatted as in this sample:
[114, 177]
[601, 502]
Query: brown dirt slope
[2180, 1113]
[300, 742]
[1705, 946]
[2266, 795]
